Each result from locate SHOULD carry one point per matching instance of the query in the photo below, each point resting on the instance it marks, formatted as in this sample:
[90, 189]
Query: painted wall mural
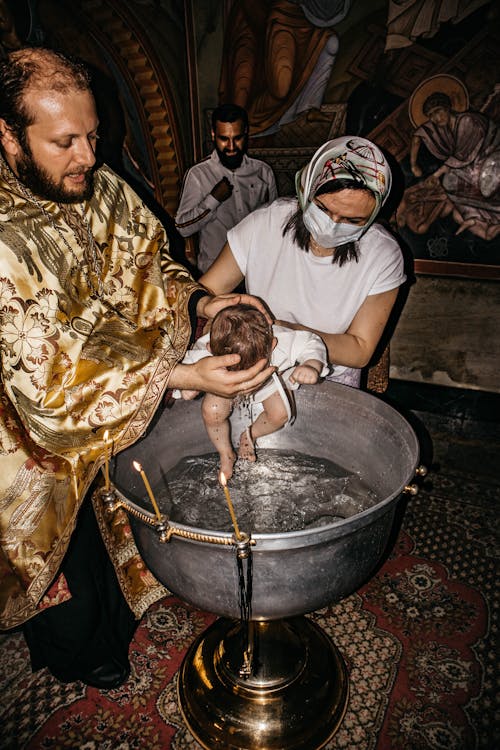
[419, 77]
[466, 144]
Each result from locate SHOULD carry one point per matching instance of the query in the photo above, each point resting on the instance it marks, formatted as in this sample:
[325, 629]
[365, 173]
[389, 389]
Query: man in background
[223, 188]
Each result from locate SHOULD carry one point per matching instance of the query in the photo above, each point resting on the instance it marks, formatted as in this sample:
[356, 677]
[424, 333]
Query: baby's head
[241, 329]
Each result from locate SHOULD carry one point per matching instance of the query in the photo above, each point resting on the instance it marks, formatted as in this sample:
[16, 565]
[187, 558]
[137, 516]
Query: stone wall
[449, 334]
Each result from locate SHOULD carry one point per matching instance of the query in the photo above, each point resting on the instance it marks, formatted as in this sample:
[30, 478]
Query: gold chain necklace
[321, 252]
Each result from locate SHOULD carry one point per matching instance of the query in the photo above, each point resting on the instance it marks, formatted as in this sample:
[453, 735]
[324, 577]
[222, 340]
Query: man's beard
[231, 162]
[42, 185]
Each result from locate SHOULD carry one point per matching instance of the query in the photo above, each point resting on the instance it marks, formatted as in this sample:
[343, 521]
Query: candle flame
[137, 465]
[106, 436]
[222, 479]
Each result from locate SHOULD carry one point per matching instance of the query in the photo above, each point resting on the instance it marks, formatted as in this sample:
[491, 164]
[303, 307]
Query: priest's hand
[210, 374]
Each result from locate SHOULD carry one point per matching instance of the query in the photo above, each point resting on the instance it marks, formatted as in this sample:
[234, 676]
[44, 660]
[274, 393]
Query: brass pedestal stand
[290, 694]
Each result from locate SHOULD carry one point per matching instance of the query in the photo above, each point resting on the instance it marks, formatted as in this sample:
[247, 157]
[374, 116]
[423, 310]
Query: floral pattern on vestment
[76, 363]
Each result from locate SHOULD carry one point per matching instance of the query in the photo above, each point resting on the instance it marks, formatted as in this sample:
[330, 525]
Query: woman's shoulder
[279, 207]
[267, 217]
[380, 235]
[381, 255]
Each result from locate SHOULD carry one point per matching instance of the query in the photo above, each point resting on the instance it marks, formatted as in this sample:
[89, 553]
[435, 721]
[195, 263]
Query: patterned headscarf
[348, 158]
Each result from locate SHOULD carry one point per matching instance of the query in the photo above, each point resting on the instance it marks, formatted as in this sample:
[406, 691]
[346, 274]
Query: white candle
[107, 446]
[137, 466]
[223, 481]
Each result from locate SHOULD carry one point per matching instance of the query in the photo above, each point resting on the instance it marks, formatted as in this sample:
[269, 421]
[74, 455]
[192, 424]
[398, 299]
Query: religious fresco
[466, 145]
[419, 77]
[277, 59]
[307, 71]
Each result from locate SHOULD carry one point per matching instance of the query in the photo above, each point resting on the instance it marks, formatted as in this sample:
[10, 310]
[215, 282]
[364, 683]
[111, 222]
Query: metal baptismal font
[315, 515]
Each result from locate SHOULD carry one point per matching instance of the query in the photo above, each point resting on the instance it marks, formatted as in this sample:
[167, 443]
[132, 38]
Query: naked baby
[299, 357]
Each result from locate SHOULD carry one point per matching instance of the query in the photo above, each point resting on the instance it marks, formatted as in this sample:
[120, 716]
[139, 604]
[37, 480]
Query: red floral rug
[419, 641]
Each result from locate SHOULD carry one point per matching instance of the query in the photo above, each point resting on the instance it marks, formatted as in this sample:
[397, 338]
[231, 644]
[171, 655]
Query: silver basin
[294, 572]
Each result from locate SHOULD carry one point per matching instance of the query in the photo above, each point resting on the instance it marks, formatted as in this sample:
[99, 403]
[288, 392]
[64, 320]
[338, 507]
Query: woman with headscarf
[319, 261]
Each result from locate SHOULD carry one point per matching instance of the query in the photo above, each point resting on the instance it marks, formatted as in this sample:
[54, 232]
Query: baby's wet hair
[241, 329]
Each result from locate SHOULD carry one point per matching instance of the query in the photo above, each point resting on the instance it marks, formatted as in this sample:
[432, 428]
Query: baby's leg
[246, 448]
[216, 411]
[271, 419]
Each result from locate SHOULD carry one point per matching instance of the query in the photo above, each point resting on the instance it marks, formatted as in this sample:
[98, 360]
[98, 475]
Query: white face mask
[329, 233]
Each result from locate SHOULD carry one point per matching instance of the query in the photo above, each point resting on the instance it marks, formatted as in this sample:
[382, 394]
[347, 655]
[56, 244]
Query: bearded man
[95, 318]
[222, 189]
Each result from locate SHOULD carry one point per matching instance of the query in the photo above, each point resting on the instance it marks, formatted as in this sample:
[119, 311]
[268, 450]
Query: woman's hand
[208, 307]
[210, 374]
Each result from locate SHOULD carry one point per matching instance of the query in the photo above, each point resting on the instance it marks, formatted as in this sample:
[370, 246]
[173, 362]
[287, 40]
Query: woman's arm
[355, 347]
[220, 279]
[224, 275]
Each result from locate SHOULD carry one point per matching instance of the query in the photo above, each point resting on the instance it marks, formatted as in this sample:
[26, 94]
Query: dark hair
[436, 100]
[301, 235]
[39, 69]
[241, 329]
[229, 113]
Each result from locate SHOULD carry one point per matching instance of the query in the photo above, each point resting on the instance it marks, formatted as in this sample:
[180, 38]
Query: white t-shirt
[303, 288]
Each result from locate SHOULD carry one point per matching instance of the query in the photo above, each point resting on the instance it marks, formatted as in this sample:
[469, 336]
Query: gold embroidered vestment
[76, 362]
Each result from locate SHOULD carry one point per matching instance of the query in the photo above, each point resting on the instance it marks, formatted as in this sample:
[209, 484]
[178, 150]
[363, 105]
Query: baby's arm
[308, 352]
[308, 372]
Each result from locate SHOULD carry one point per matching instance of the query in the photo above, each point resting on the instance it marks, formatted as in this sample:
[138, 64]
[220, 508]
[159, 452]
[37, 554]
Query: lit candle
[107, 447]
[75, 482]
[139, 468]
[223, 481]
[75, 457]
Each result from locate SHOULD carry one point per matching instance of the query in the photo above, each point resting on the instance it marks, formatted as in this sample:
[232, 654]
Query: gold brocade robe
[75, 364]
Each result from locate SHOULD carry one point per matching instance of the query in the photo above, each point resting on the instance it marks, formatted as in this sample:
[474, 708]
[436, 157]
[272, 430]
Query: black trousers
[96, 624]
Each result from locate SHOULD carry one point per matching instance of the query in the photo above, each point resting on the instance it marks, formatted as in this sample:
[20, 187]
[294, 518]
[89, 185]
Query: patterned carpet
[420, 641]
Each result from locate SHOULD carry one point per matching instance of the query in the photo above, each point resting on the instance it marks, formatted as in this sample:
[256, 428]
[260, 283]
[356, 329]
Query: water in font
[283, 491]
